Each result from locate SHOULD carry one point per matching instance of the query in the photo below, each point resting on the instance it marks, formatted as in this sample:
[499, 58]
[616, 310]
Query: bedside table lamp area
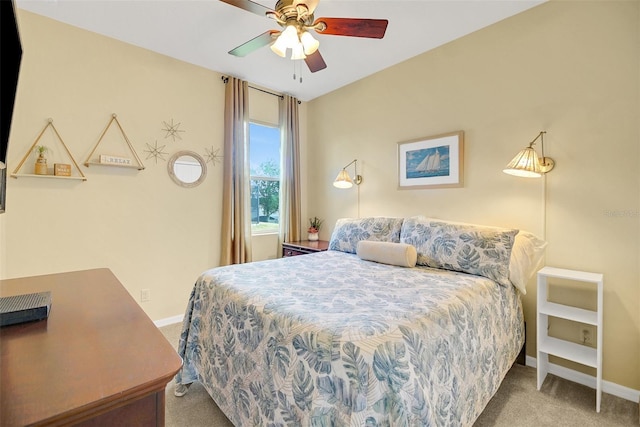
[344, 181]
[528, 164]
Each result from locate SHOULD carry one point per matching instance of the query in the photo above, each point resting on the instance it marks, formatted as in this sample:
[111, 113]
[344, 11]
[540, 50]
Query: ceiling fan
[296, 18]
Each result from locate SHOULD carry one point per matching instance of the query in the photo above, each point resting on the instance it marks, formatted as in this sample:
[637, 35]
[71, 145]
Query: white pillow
[400, 254]
[526, 256]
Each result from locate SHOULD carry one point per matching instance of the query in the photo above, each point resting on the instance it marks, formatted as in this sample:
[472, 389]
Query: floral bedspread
[327, 339]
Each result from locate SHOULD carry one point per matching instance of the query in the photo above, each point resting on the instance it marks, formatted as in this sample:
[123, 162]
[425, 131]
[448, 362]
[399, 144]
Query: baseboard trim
[169, 320]
[589, 381]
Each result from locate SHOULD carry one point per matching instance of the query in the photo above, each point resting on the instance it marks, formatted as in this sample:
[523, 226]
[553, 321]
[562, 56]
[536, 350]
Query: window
[264, 159]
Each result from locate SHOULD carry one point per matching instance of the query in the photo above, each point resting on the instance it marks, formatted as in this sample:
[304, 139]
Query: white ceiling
[202, 32]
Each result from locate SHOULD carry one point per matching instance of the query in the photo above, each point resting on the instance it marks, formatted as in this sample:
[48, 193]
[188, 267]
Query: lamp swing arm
[352, 162]
[540, 135]
[357, 178]
[546, 163]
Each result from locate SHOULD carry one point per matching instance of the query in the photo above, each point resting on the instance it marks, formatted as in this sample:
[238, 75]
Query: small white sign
[115, 160]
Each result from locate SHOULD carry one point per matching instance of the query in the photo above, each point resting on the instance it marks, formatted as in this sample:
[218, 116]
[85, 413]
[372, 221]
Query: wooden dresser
[304, 247]
[97, 360]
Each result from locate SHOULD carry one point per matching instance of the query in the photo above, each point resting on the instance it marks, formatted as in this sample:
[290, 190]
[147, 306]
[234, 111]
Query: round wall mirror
[187, 169]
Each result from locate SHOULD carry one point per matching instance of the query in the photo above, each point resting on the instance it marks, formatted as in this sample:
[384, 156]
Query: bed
[361, 338]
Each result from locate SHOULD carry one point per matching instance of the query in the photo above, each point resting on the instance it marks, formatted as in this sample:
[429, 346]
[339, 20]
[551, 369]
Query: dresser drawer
[293, 252]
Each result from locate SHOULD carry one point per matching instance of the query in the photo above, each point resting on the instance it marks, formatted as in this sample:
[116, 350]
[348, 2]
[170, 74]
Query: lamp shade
[525, 164]
[343, 180]
[297, 52]
[288, 39]
[309, 43]
[279, 47]
[289, 36]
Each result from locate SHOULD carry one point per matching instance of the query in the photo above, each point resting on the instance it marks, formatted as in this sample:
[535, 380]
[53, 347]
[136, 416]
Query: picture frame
[432, 162]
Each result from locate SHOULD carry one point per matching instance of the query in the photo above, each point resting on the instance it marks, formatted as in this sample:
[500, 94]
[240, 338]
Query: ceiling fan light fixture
[289, 36]
[298, 52]
[279, 47]
[288, 39]
[309, 43]
[296, 19]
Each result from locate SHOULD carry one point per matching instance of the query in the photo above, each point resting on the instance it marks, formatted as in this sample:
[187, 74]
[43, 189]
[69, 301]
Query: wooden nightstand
[304, 247]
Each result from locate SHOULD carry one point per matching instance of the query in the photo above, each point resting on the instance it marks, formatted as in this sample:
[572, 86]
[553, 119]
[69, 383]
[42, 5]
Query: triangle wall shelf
[114, 161]
[16, 173]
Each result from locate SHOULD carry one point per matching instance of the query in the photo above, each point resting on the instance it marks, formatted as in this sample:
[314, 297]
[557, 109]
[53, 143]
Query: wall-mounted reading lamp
[343, 180]
[527, 163]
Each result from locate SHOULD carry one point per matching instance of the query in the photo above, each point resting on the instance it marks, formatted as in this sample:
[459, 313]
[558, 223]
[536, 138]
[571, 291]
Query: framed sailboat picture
[432, 162]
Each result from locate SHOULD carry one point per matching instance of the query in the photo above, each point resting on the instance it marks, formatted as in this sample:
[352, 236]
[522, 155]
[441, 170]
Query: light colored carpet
[560, 403]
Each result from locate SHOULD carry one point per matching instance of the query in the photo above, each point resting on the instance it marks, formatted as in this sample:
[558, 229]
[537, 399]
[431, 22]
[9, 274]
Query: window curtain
[236, 201]
[290, 221]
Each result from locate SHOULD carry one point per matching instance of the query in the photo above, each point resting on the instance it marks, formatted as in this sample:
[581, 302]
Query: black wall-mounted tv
[10, 57]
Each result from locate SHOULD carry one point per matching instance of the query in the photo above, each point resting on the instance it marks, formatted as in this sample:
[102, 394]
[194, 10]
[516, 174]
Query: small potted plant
[41, 162]
[314, 228]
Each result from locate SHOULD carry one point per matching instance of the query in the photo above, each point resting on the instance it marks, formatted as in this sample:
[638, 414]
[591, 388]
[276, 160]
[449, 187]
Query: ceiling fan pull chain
[299, 70]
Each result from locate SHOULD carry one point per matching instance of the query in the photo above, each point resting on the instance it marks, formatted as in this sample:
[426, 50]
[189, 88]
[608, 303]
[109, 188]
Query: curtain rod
[225, 79]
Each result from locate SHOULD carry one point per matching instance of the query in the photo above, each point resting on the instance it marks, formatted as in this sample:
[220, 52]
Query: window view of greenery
[264, 158]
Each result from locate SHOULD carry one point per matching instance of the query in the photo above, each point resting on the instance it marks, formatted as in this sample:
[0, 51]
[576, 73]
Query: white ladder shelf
[547, 345]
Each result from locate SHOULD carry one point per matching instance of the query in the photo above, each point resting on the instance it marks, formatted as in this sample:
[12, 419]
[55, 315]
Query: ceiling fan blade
[255, 43]
[315, 62]
[353, 27]
[249, 6]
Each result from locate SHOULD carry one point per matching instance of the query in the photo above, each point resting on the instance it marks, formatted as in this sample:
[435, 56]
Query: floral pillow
[349, 231]
[473, 249]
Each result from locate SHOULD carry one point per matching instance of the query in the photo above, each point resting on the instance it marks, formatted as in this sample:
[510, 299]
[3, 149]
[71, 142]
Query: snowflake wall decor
[172, 130]
[155, 151]
[213, 156]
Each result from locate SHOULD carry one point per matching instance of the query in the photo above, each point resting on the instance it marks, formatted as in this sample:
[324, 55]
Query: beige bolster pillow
[400, 254]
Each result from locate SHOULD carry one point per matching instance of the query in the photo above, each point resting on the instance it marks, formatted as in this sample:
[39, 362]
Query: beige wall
[570, 68]
[150, 232]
